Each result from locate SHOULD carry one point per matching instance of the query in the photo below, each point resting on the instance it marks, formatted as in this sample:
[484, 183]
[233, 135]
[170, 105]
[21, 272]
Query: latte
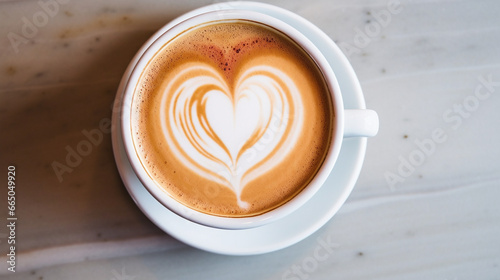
[232, 118]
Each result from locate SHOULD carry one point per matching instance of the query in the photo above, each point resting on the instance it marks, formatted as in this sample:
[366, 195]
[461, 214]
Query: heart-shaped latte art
[231, 134]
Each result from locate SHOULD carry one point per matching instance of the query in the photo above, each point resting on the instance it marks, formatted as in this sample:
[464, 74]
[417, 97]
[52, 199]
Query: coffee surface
[231, 118]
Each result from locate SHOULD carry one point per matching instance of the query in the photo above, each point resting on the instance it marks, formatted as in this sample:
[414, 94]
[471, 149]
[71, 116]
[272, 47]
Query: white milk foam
[232, 119]
[231, 137]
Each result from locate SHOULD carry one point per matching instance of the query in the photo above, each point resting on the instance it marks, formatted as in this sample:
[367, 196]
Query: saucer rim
[358, 145]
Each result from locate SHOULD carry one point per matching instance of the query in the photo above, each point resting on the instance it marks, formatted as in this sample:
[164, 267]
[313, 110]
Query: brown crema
[225, 50]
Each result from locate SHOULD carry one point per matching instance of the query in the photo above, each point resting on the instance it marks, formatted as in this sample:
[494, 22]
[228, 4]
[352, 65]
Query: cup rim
[234, 222]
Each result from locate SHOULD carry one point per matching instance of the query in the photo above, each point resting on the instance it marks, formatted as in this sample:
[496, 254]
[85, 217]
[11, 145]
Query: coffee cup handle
[360, 123]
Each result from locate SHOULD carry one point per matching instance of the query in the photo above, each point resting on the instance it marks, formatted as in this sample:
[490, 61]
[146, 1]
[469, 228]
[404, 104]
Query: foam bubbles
[237, 108]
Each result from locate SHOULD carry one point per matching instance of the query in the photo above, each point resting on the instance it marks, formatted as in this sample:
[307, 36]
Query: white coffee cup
[347, 123]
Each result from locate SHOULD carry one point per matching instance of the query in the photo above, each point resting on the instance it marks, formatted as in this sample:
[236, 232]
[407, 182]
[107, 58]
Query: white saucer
[298, 225]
